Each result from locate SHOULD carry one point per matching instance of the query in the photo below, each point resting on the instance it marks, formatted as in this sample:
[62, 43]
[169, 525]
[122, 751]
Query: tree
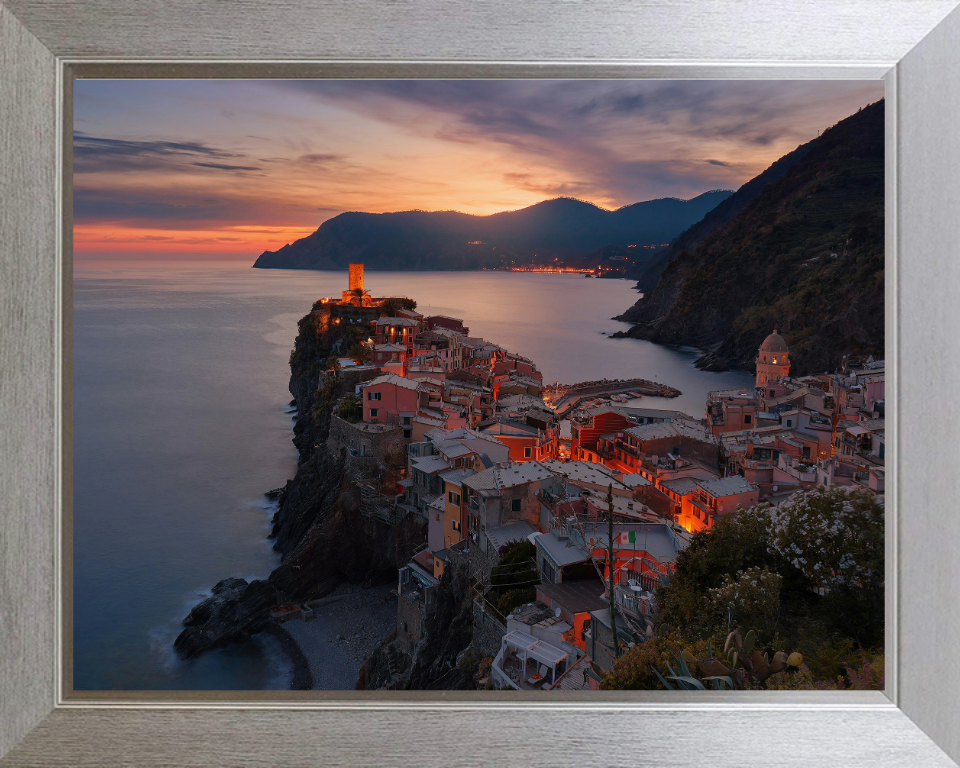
[750, 598]
[634, 670]
[514, 579]
[735, 543]
[360, 352]
[350, 409]
[390, 307]
[835, 538]
[827, 545]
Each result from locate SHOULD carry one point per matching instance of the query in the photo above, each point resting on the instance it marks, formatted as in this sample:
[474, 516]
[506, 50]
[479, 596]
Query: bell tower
[773, 360]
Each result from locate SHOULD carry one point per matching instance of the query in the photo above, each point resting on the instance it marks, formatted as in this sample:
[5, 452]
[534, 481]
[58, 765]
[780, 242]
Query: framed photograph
[589, 445]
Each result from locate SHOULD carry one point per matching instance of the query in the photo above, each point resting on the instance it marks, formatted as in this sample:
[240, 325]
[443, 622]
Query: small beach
[344, 633]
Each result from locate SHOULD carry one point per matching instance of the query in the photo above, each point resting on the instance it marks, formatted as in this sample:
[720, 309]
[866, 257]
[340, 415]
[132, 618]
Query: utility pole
[613, 615]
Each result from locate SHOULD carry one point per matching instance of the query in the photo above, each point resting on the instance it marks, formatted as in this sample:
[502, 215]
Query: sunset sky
[228, 169]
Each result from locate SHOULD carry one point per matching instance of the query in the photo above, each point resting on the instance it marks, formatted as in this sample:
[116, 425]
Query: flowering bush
[869, 676]
[750, 598]
[834, 536]
[827, 547]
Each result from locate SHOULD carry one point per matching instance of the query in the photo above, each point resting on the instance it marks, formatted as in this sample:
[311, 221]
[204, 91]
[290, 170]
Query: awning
[535, 649]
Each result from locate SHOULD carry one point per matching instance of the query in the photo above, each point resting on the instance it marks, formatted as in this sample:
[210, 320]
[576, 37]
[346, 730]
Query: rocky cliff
[438, 661]
[805, 256]
[318, 529]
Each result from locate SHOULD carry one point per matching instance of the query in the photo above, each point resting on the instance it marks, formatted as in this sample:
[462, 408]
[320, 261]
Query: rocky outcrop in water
[234, 611]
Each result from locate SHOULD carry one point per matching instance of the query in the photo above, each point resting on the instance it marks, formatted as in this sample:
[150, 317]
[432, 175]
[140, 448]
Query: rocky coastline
[318, 529]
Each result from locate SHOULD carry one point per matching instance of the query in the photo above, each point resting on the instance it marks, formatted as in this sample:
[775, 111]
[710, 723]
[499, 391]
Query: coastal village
[566, 505]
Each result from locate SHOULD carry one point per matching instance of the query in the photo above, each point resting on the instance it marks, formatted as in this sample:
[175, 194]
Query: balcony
[633, 600]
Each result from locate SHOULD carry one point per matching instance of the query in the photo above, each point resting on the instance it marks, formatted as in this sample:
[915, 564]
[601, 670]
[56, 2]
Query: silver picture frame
[913, 45]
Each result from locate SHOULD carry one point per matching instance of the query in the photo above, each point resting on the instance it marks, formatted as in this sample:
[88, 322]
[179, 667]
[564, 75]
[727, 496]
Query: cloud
[719, 162]
[319, 158]
[532, 183]
[177, 209]
[222, 167]
[94, 154]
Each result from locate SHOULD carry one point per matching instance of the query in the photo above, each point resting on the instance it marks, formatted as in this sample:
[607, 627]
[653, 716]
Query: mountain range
[799, 249]
[562, 228]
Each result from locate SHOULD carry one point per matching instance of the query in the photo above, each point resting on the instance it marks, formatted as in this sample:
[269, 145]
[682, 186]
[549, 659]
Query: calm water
[181, 424]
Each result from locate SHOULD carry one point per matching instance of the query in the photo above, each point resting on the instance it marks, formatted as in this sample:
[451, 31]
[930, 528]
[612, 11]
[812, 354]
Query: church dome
[774, 343]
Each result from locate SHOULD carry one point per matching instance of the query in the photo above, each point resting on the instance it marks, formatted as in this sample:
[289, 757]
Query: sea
[181, 422]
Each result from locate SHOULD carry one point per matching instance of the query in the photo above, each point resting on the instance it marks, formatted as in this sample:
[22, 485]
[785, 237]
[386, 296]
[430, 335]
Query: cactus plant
[748, 668]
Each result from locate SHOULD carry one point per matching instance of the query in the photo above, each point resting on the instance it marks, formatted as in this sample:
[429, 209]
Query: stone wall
[382, 443]
[488, 632]
[350, 377]
[409, 622]
[475, 561]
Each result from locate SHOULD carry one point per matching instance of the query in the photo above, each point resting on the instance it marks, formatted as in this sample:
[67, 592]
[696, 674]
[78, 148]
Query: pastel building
[389, 398]
[716, 497]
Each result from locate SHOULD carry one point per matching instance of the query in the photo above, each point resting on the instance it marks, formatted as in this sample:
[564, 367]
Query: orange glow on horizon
[97, 238]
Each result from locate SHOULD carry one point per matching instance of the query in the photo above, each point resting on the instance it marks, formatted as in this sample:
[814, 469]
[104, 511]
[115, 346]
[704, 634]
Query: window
[548, 573]
[789, 422]
[515, 505]
[806, 452]
[407, 433]
[373, 395]
[406, 421]
[527, 453]
[453, 498]
[438, 517]
[373, 413]
[455, 525]
[747, 419]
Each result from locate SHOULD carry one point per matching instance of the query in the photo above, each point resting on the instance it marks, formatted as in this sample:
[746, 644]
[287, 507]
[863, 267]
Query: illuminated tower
[356, 277]
[773, 359]
[355, 294]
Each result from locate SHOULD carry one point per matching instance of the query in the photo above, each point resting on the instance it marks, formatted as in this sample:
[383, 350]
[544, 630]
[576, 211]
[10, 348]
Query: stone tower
[356, 277]
[773, 359]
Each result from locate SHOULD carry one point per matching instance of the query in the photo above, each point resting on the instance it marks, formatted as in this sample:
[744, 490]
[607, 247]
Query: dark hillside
[724, 213]
[806, 257]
